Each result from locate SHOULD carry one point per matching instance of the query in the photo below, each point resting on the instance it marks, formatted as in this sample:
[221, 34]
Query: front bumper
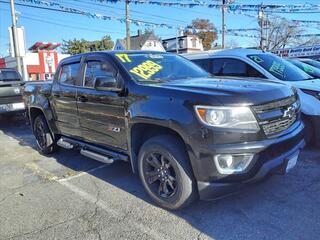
[271, 155]
[12, 108]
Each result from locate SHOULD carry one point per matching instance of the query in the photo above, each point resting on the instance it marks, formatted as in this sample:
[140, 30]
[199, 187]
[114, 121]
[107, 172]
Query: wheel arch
[35, 111]
[141, 132]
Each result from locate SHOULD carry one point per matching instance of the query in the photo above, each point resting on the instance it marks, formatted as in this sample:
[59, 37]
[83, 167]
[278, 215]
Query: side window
[203, 63]
[97, 69]
[233, 67]
[252, 72]
[69, 73]
[229, 67]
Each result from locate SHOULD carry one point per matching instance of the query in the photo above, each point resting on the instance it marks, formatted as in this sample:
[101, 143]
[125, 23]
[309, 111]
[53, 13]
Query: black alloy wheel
[165, 172]
[45, 141]
[161, 176]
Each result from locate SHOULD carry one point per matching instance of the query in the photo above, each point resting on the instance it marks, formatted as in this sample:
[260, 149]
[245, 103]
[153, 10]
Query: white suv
[251, 63]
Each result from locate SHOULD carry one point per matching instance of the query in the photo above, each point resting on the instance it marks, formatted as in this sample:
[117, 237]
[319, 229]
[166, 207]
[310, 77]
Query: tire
[45, 140]
[165, 172]
[308, 130]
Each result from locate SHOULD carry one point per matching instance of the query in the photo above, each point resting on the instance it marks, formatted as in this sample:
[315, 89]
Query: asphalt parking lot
[67, 196]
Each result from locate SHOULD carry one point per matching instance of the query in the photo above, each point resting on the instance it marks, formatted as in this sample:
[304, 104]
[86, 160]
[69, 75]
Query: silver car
[258, 64]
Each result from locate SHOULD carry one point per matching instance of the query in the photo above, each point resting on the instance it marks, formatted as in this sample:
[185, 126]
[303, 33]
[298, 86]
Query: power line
[134, 11]
[55, 22]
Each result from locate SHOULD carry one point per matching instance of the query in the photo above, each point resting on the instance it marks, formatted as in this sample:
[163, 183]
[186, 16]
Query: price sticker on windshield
[123, 57]
[277, 68]
[256, 59]
[146, 69]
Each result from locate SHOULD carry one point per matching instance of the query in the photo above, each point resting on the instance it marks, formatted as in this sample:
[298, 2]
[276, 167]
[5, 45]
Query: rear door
[64, 98]
[101, 113]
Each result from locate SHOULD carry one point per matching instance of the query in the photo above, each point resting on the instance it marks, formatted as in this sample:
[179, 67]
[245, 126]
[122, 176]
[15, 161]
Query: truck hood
[234, 91]
[313, 84]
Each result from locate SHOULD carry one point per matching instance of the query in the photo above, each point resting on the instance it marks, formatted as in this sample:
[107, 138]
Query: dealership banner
[298, 52]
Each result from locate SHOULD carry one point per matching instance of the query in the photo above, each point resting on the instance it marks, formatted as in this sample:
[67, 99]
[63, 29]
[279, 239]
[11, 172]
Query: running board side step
[96, 156]
[97, 153]
[64, 144]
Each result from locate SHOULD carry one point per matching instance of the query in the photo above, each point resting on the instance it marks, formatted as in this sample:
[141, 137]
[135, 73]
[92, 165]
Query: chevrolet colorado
[11, 101]
[187, 134]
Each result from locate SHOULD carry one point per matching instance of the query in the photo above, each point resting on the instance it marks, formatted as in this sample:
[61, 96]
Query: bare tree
[282, 33]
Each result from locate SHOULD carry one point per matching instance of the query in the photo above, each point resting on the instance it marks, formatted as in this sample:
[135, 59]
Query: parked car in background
[11, 101]
[309, 69]
[311, 62]
[253, 64]
[186, 134]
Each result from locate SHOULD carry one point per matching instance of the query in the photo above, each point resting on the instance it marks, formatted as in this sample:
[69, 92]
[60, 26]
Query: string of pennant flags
[105, 17]
[231, 6]
[235, 32]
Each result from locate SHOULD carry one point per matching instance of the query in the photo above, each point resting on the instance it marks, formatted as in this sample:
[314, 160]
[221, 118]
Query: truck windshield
[279, 67]
[9, 75]
[159, 67]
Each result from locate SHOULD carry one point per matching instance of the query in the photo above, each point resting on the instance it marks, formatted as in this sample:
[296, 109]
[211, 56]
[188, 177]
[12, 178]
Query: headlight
[236, 118]
[316, 94]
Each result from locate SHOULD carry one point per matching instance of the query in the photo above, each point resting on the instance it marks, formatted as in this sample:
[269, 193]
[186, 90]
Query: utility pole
[223, 24]
[15, 37]
[128, 45]
[262, 25]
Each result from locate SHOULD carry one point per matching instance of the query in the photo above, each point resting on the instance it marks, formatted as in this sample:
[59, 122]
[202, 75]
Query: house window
[194, 42]
[181, 42]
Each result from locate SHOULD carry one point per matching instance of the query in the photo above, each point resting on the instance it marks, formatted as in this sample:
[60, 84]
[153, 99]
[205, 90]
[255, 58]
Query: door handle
[82, 99]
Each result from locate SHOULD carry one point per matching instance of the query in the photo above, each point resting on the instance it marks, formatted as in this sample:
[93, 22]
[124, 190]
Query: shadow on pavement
[285, 207]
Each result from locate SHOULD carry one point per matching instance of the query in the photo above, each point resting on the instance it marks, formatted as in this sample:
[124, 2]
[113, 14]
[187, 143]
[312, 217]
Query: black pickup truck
[11, 101]
[187, 134]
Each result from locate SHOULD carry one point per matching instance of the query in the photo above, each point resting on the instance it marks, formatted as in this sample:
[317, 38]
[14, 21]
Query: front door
[101, 113]
[64, 99]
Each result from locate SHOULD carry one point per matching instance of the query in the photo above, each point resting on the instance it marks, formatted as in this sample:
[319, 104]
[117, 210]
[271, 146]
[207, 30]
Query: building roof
[44, 46]
[136, 42]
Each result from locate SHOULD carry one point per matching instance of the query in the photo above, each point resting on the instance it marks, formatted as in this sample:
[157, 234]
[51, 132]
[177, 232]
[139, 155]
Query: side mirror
[106, 83]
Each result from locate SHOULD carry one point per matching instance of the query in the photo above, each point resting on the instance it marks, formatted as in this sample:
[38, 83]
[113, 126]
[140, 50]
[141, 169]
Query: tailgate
[10, 92]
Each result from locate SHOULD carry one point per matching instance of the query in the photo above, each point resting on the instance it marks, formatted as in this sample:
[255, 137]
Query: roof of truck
[110, 53]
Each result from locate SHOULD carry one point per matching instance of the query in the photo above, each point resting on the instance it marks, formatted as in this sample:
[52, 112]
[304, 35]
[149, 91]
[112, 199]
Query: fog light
[4, 107]
[232, 163]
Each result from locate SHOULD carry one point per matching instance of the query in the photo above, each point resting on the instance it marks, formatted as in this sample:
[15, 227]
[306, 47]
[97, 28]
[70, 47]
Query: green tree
[76, 46]
[205, 30]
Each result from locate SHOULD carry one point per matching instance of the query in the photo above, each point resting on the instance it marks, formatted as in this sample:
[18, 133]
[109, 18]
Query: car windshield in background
[158, 67]
[311, 70]
[313, 63]
[7, 76]
[279, 67]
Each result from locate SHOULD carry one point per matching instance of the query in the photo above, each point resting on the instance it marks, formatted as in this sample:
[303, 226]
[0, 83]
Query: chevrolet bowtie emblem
[289, 113]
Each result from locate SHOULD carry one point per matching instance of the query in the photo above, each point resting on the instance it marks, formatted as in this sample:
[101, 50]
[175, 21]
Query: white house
[145, 41]
[186, 44]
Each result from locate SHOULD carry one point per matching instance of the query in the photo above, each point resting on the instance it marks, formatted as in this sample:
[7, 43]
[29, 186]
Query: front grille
[277, 116]
[275, 105]
[278, 126]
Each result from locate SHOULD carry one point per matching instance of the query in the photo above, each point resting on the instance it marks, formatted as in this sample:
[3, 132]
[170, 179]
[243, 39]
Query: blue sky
[42, 25]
